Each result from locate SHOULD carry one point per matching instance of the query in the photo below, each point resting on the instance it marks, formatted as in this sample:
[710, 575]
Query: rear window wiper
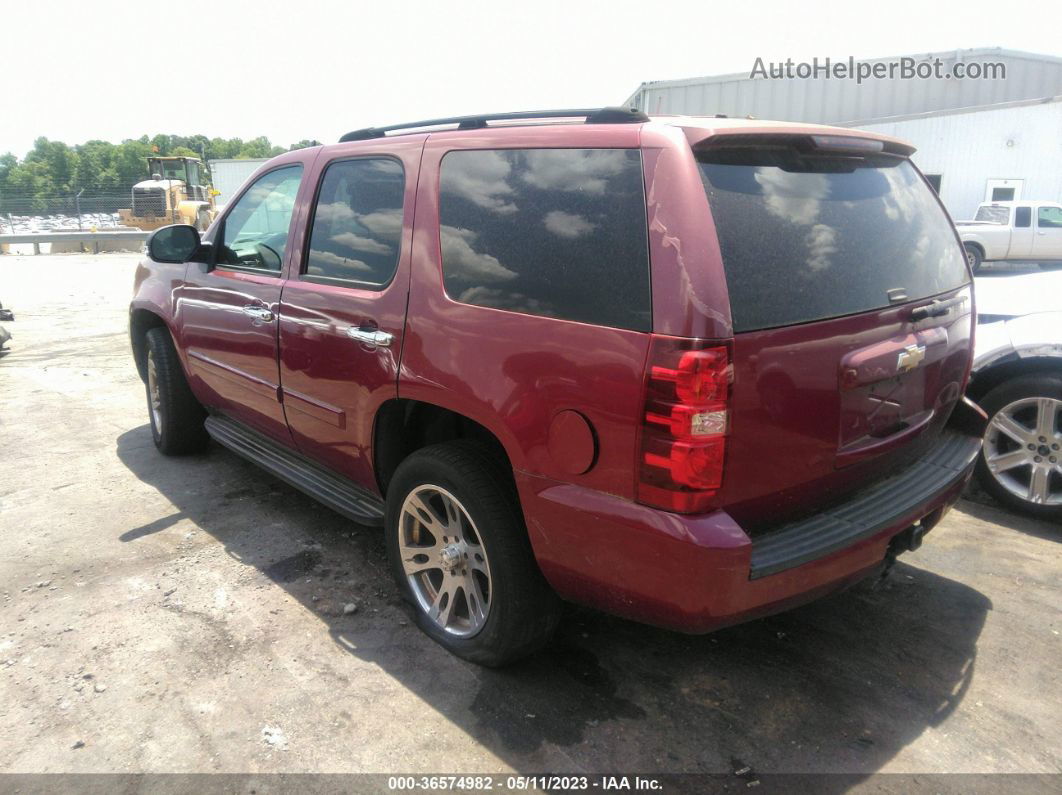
[935, 309]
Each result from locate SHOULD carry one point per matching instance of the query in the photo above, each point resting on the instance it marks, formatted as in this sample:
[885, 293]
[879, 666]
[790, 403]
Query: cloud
[383, 224]
[822, 243]
[363, 244]
[567, 170]
[503, 299]
[332, 212]
[321, 261]
[793, 197]
[464, 262]
[567, 225]
[480, 177]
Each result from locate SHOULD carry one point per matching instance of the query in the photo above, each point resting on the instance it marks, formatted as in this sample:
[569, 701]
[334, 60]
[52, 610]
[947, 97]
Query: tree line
[52, 171]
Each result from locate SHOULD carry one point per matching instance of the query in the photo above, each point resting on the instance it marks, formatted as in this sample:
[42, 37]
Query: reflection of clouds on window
[793, 197]
[822, 242]
[332, 212]
[383, 224]
[336, 264]
[359, 243]
[482, 180]
[357, 225]
[901, 203]
[586, 170]
[839, 233]
[567, 225]
[553, 232]
[503, 299]
[464, 262]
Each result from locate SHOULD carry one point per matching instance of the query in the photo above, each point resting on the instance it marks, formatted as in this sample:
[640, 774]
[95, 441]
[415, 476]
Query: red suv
[685, 370]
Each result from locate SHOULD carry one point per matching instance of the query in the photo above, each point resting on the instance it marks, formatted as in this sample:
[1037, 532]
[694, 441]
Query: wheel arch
[141, 321]
[984, 381]
[403, 426]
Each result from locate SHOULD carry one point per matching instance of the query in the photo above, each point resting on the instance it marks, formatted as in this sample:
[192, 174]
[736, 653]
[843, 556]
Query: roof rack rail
[609, 115]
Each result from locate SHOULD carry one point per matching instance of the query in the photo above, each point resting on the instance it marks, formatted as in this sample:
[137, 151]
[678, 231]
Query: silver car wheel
[1023, 449]
[154, 396]
[445, 561]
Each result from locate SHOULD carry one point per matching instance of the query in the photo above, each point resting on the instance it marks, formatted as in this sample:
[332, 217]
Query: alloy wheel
[445, 561]
[154, 395]
[1023, 449]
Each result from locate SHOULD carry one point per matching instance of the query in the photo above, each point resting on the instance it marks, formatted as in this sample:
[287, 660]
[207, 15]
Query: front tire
[460, 554]
[974, 258]
[175, 415]
[1021, 461]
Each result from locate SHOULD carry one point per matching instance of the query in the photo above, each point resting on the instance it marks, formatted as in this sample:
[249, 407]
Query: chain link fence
[61, 213]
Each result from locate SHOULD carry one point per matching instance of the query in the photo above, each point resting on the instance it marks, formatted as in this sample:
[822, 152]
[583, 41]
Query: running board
[325, 486]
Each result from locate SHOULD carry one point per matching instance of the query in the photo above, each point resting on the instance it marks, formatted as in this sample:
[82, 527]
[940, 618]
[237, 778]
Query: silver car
[1017, 380]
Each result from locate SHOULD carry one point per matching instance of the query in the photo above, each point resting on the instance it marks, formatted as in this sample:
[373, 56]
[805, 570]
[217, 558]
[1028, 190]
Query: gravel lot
[179, 615]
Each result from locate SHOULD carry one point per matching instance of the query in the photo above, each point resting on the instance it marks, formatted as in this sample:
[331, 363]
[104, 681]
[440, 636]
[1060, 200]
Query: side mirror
[177, 243]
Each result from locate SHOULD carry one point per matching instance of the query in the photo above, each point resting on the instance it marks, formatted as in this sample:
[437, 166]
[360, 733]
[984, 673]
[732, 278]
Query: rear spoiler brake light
[840, 143]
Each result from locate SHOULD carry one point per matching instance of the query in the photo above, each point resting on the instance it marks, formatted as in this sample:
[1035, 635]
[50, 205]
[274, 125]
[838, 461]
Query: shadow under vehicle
[839, 686]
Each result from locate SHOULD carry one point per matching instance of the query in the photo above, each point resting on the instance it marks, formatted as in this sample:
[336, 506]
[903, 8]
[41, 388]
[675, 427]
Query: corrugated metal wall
[229, 176]
[832, 101]
[968, 149]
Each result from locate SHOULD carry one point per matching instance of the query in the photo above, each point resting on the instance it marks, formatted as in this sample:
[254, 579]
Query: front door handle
[258, 313]
[371, 336]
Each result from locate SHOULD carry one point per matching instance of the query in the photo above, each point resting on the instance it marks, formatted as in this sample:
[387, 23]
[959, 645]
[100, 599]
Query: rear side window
[1022, 216]
[554, 232]
[992, 214]
[807, 237]
[357, 224]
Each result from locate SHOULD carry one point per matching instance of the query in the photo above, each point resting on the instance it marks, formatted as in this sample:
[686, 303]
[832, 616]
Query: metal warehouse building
[977, 139]
[230, 174]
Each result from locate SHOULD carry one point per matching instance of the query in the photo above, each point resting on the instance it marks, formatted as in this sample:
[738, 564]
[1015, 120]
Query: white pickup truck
[1019, 231]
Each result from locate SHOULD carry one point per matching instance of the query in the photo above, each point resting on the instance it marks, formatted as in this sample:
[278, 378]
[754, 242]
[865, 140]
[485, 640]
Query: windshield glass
[808, 236]
[168, 169]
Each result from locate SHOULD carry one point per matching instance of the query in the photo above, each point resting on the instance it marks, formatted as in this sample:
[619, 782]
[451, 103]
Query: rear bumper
[699, 573]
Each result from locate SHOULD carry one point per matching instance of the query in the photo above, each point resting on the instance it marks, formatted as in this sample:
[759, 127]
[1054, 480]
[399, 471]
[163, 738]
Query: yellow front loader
[176, 193]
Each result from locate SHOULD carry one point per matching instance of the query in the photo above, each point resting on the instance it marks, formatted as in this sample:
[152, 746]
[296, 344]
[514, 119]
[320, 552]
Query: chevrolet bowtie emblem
[910, 357]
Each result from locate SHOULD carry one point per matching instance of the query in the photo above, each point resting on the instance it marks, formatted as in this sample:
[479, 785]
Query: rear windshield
[808, 236]
[992, 215]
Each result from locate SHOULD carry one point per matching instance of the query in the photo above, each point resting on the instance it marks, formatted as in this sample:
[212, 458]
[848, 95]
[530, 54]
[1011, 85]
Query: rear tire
[475, 588]
[1014, 487]
[974, 258]
[175, 415]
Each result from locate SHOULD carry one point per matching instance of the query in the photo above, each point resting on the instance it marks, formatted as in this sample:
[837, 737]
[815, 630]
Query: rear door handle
[258, 313]
[370, 336]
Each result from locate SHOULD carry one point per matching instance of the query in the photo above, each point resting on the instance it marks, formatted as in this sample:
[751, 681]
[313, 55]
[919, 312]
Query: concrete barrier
[70, 242]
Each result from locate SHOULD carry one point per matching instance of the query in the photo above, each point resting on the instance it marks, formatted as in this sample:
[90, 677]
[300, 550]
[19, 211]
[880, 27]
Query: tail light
[683, 437]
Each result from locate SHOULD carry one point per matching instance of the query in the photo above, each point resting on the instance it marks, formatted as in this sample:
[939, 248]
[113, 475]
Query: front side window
[357, 225]
[256, 230]
[807, 236]
[554, 232]
[1049, 218]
